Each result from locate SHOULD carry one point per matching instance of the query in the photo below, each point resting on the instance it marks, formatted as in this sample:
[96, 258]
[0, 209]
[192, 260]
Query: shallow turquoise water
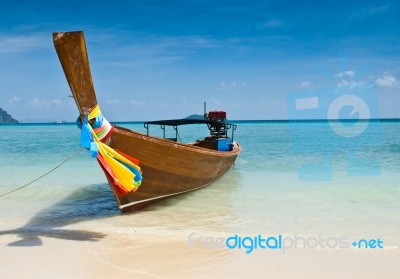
[291, 178]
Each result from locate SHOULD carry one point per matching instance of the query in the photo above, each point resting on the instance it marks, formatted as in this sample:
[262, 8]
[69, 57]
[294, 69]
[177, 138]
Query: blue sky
[161, 59]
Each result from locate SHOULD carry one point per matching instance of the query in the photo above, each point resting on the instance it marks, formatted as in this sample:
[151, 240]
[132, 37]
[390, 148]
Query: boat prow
[169, 167]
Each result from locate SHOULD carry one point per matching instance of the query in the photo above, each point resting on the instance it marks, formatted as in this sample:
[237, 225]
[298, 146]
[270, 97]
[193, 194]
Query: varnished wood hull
[169, 168]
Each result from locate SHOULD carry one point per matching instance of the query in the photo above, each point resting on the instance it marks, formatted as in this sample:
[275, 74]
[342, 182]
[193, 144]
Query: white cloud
[23, 43]
[346, 82]
[379, 9]
[215, 101]
[366, 12]
[113, 102]
[346, 74]
[230, 85]
[56, 102]
[272, 23]
[387, 81]
[350, 84]
[154, 50]
[14, 100]
[134, 50]
[40, 102]
[184, 101]
[304, 84]
[138, 103]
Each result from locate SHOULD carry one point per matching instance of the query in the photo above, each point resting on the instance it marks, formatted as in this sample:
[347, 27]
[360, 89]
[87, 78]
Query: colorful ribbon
[121, 168]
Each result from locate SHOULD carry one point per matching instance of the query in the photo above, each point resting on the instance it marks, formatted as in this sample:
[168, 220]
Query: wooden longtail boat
[169, 167]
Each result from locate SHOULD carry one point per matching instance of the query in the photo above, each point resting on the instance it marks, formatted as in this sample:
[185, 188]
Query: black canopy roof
[185, 121]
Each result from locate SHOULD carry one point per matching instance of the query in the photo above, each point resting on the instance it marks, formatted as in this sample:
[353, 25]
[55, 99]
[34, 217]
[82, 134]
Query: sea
[320, 179]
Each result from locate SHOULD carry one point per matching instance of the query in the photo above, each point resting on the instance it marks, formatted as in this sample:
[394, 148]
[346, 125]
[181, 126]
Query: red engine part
[220, 115]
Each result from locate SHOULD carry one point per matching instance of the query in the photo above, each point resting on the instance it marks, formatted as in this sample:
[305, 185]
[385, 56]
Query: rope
[43, 175]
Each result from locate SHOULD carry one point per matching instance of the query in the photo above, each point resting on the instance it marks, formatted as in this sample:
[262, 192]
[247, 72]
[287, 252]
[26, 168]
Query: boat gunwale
[186, 146]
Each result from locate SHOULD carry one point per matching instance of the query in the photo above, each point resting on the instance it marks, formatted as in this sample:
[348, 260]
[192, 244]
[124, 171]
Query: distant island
[195, 116]
[5, 118]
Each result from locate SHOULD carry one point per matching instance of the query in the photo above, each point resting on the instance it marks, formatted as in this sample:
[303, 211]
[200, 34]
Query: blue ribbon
[87, 139]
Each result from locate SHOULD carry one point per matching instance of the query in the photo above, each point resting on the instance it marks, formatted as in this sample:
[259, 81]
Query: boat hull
[169, 168]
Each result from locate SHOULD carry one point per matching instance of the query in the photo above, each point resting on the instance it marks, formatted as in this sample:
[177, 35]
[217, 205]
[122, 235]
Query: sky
[155, 60]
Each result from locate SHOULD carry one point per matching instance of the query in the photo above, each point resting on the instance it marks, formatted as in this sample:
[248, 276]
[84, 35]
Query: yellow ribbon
[124, 176]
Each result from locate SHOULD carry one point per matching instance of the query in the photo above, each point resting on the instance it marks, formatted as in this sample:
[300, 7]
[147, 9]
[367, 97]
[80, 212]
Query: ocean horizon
[119, 122]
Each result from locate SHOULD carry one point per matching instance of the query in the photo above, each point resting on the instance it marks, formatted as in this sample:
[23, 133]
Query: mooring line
[43, 175]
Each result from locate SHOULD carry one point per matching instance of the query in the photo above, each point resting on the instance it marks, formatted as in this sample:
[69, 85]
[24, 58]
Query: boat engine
[217, 127]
